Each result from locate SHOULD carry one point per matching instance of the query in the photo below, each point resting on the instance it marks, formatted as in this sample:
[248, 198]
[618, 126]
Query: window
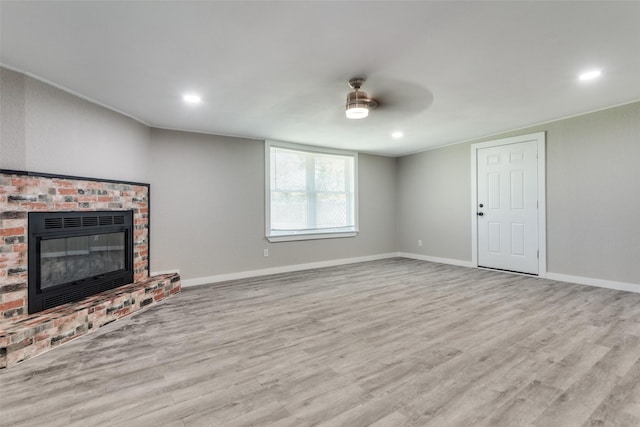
[311, 192]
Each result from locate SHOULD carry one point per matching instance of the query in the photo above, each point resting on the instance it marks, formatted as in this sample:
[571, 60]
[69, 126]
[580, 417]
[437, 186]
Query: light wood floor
[388, 343]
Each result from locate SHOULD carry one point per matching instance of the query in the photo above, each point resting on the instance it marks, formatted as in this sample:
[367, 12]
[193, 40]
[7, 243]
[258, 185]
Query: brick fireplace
[24, 335]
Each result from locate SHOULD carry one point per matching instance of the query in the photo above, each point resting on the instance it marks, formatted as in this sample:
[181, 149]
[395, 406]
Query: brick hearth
[47, 329]
[22, 335]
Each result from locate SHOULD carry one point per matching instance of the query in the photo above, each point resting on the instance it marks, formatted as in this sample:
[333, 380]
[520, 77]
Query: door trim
[540, 138]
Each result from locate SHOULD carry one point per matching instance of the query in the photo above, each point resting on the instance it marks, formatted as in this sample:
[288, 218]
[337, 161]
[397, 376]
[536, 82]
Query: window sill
[290, 237]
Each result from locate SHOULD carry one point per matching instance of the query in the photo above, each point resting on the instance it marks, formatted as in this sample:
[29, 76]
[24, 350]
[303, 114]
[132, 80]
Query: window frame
[312, 234]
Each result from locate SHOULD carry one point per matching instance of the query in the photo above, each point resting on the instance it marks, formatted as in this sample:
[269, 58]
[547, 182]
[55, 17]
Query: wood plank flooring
[388, 343]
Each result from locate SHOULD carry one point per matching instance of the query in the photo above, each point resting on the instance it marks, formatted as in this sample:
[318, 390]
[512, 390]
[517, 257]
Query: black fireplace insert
[73, 255]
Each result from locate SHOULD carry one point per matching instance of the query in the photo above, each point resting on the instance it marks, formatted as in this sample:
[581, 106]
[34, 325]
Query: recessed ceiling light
[192, 98]
[589, 75]
[397, 134]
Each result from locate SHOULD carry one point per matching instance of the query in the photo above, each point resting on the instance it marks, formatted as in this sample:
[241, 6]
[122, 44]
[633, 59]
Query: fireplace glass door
[70, 259]
[73, 255]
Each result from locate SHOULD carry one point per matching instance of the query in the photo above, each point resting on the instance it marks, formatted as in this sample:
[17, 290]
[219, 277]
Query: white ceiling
[443, 72]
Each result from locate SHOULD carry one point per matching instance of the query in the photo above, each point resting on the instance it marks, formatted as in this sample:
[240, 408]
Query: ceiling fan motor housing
[357, 98]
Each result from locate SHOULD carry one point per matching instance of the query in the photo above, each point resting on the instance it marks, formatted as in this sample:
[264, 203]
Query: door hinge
[538, 254]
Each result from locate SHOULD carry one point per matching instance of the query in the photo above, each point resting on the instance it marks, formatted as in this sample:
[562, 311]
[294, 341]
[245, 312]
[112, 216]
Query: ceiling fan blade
[400, 97]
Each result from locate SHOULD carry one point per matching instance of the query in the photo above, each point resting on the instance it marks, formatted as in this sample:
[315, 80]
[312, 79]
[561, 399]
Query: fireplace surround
[25, 333]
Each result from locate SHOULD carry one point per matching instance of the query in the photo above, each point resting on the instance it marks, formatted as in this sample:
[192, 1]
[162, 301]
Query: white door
[507, 207]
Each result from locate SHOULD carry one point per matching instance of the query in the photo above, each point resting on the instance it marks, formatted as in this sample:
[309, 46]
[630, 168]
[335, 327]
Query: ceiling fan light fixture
[358, 104]
[357, 112]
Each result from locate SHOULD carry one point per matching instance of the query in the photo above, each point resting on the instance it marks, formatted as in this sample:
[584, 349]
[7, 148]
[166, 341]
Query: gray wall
[593, 197]
[593, 188]
[45, 129]
[208, 205]
[12, 118]
[433, 202]
[207, 192]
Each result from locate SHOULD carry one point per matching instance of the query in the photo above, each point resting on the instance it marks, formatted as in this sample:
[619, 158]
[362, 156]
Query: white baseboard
[589, 281]
[284, 269]
[457, 262]
[601, 283]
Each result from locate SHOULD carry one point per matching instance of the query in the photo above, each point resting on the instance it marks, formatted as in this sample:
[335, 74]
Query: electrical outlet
[266, 252]
[419, 242]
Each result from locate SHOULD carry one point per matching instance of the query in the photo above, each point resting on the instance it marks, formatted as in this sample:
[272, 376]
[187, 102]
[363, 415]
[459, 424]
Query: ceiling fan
[358, 103]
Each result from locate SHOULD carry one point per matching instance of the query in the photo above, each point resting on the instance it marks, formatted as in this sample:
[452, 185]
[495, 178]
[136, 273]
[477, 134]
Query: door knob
[480, 213]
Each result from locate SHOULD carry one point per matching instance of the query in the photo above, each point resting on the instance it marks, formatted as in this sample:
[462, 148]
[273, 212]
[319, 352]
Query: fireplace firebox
[73, 255]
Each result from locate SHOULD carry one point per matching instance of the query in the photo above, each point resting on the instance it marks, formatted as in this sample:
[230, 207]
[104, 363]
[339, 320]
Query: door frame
[540, 138]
